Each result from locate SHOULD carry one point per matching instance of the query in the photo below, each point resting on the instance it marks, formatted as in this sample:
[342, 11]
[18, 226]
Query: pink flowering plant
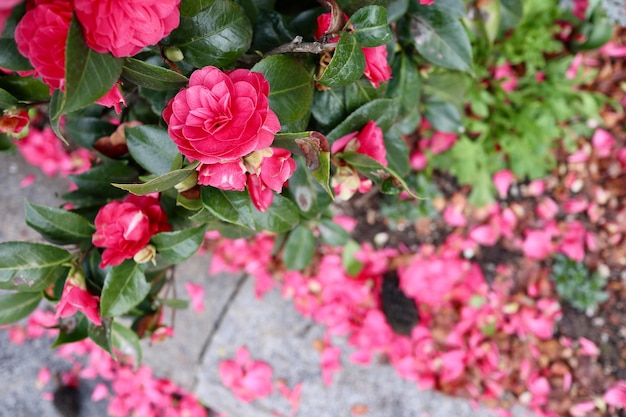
[247, 126]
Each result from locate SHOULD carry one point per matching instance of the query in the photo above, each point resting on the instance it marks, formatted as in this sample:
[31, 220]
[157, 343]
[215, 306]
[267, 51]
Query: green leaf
[349, 261]
[125, 286]
[79, 332]
[352, 6]
[6, 143]
[332, 233]
[10, 58]
[382, 111]
[6, 99]
[291, 86]
[280, 217]
[175, 247]
[16, 306]
[190, 8]
[25, 89]
[307, 192]
[85, 131]
[88, 75]
[378, 173]
[444, 117]
[97, 181]
[299, 248]
[229, 206]
[441, 39]
[126, 341]
[347, 64]
[397, 152]
[406, 84]
[151, 147]
[101, 335]
[370, 27]
[152, 76]
[511, 12]
[31, 267]
[217, 35]
[270, 30]
[57, 225]
[160, 183]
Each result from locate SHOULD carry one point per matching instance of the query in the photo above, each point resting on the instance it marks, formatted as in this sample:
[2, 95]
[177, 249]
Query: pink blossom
[502, 180]
[75, 297]
[574, 66]
[418, 160]
[43, 377]
[588, 347]
[540, 390]
[292, 395]
[125, 28]
[368, 141]
[453, 215]
[538, 244]
[229, 175]
[581, 155]
[485, 235]
[573, 241]
[377, 69]
[221, 116]
[100, 392]
[27, 180]
[616, 395]
[547, 208]
[277, 168]
[603, 143]
[576, 205]
[582, 409]
[13, 121]
[330, 362]
[260, 194]
[248, 379]
[442, 141]
[536, 188]
[540, 319]
[613, 50]
[196, 292]
[431, 280]
[427, 2]
[123, 228]
[505, 72]
[580, 8]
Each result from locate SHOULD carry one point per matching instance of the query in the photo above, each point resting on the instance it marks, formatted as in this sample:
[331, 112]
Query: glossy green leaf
[347, 64]
[229, 206]
[31, 267]
[512, 12]
[369, 26]
[16, 306]
[25, 89]
[97, 181]
[10, 58]
[85, 131]
[332, 233]
[57, 225]
[6, 144]
[280, 217]
[378, 173]
[190, 8]
[307, 192]
[125, 286]
[352, 6]
[151, 147]
[101, 335]
[405, 85]
[291, 86]
[126, 341]
[299, 248]
[88, 76]
[397, 152]
[79, 331]
[382, 111]
[176, 247]
[160, 183]
[152, 76]
[441, 39]
[6, 99]
[271, 30]
[445, 117]
[217, 35]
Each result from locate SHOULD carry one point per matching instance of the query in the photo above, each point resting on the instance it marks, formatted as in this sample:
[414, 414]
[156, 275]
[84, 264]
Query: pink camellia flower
[270, 175]
[41, 37]
[14, 121]
[75, 298]
[377, 69]
[229, 175]
[427, 2]
[221, 116]
[124, 228]
[125, 27]
[616, 395]
[369, 141]
[248, 379]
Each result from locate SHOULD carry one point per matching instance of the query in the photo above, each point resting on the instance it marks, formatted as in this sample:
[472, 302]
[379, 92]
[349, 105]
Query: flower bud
[253, 160]
[188, 183]
[147, 254]
[174, 54]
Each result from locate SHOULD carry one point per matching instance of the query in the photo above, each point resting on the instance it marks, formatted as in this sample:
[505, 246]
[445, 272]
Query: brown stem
[296, 45]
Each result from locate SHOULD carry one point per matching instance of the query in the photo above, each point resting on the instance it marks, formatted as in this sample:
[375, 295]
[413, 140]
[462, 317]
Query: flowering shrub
[193, 120]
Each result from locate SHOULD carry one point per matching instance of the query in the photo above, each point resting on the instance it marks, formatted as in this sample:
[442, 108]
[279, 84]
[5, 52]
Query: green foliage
[577, 285]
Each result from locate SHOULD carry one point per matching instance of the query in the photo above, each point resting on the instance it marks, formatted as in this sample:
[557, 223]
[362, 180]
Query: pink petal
[581, 409]
[588, 347]
[603, 143]
[616, 395]
[27, 180]
[100, 392]
[485, 235]
[502, 180]
[196, 293]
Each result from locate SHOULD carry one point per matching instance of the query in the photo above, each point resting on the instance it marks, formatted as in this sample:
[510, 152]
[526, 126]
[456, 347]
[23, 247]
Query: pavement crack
[216, 326]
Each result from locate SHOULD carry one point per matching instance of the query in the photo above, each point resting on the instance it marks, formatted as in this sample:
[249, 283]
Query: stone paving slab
[270, 328]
